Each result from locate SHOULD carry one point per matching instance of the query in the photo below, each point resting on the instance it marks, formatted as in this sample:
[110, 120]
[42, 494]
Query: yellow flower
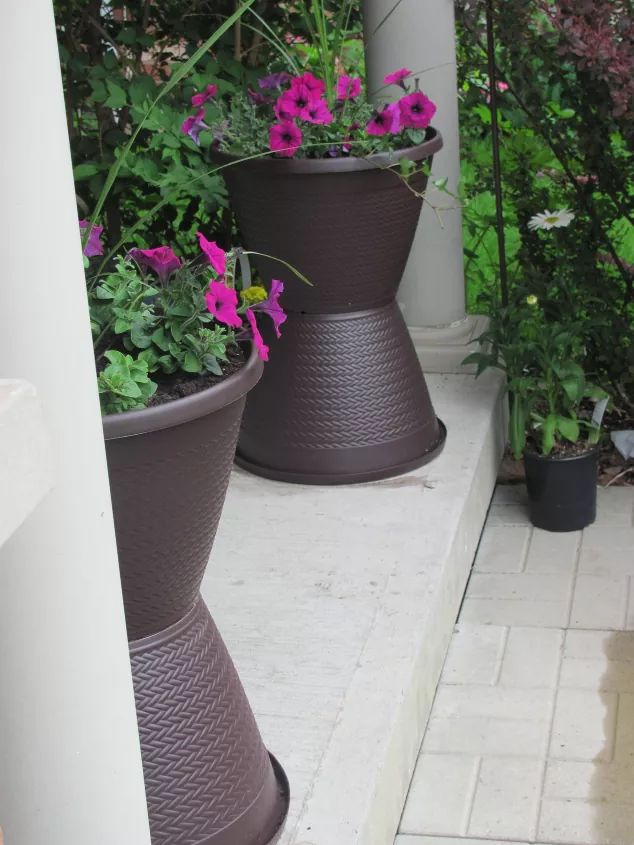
[532, 300]
[254, 294]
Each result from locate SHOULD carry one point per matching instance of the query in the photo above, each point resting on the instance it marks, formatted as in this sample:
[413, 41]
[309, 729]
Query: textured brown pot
[343, 398]
[208, 777]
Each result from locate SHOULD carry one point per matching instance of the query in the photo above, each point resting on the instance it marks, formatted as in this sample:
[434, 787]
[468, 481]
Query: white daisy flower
[551, 219]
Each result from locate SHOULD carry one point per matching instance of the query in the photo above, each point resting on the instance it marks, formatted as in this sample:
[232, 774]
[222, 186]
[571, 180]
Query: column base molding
[442, 349]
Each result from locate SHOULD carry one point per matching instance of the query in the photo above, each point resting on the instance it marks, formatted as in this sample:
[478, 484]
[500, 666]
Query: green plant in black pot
[555, 411]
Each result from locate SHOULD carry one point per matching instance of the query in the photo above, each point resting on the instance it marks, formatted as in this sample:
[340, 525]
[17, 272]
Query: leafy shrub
[565, 96]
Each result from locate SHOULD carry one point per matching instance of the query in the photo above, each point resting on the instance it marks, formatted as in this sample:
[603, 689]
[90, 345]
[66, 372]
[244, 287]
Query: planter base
[208, 777]
[342, 400]
[345, 458]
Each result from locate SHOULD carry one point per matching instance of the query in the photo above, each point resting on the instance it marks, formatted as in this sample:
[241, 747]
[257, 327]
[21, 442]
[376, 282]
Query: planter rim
[553, 459]
[188, 408]
[316, 166]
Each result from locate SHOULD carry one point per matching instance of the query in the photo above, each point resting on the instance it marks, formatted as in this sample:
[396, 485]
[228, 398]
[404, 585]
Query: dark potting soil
[180, 385]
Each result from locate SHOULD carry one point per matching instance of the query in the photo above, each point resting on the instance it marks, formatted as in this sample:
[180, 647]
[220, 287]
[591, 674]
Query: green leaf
[85, 170]
[117, 98]
[191, 364]
[569, 428]
[174, 80]
[139, 336]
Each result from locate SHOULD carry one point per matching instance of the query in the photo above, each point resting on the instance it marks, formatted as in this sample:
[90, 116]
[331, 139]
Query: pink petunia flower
[272, 307]
[217, 257]
[262, 348]
[296, 102]
[385, 122]
[194, 125]
[93, 245]
[294, 39]
[417, 110]
[398, 77]
[285, 138]
[222, 302]
[317, 87]
[318, 112]
[202, 97]
[348, 87]
[162, 260]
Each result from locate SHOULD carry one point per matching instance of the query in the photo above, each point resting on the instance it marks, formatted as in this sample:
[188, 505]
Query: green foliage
[549, 391]
[124, 384]
[116, 59]
[167, 327]
[562, 146]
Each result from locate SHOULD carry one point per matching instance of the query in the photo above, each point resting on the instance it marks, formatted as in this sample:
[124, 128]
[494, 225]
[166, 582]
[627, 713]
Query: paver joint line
[544, 643]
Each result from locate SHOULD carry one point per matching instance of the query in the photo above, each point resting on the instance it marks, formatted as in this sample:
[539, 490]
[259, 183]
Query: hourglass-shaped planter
[208, 777]
[343, 397]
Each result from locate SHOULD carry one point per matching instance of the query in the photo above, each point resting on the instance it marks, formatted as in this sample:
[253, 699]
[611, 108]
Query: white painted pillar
[420, 35]
[70, 763]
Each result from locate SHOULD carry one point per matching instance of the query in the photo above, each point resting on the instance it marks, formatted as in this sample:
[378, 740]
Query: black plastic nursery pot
[208, 777]
[343, 398]
[562, 492]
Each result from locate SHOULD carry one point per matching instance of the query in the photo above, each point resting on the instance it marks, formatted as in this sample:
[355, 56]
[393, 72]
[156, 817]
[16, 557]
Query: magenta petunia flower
[317, 87]
[194, 125]
[272, 307]
[348, 87]
[296, 102]
[385, 122]
[222, 302]
[318, 112]
[273, 80]
[416, 110]
[93, 245]
[202, 97]
[285, 138]
[217, 256]
[263, 350]
[162, 260]
[398, 77]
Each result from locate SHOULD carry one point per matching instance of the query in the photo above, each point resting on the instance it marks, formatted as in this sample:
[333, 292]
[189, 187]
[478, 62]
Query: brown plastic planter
[208, 777]
[343, 398]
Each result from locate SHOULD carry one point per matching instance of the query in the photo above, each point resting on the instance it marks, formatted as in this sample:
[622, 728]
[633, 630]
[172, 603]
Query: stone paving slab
[531, 735]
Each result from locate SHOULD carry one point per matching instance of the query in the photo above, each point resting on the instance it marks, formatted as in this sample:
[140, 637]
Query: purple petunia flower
[162, 260]
[222, 302]
[416, 110]
[93, 245]
[272, 307]
[262, 348]
[217, 257]
[194, 125]
[273, 80]
[385, 122]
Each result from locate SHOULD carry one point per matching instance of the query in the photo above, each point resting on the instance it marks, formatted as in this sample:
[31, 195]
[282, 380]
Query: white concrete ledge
[338, 604]
[444, 348]
[25, 454]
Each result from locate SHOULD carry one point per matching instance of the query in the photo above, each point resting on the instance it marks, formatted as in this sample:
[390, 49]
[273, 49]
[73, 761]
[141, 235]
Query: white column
[420, 35]
[70, 763]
